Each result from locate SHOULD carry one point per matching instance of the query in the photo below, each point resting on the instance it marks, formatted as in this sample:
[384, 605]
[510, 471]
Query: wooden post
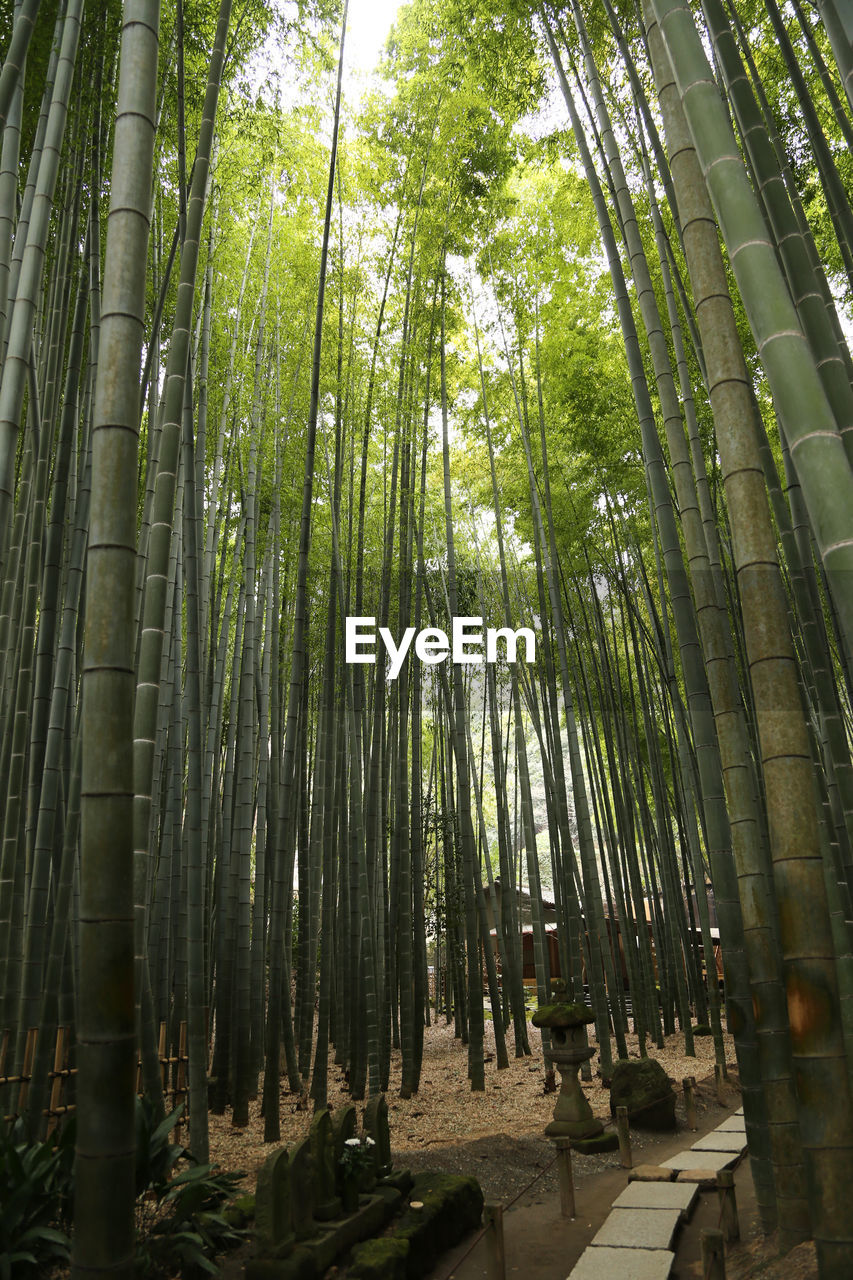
[493, 1213]
[689, 1085]
[624, 1137]
[56, 1080]
[564, 1169]
[718, 1076]
[161, 1054]
[729, 1223]
[181, 1074]
[180, 1077]
[713, 1255]
[27, 1073]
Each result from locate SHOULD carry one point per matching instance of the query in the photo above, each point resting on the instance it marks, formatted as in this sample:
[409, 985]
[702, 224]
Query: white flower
[368, 1142]
[351, 1142]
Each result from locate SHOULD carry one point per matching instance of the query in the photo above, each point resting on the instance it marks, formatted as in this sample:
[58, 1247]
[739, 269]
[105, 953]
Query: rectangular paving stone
[597, 1263]
[638, 1228]
[739, 1111]
[656, 1195]
[734, 1124]
[720, 1141]
[713, 1160]
[650, 1173]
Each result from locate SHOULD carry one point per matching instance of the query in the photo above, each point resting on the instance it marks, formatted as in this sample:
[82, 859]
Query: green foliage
[35, 1196]
[180, 1210]
[180, 1220]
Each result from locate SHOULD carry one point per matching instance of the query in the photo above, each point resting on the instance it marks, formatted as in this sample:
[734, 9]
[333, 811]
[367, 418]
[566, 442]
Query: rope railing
[488, 1226]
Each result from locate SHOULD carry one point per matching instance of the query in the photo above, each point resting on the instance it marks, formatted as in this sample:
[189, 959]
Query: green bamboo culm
[817, 449]
[838, 22]
[106, 1043]
[162, 518]
[810, 975]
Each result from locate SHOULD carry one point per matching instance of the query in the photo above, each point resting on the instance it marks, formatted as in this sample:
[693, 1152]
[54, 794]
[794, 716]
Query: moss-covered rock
[401, 1179]
[702, 1029]
[239, 1212]
[382, 1259]
[451, 1206]
[642, 1085]
[562, 1014]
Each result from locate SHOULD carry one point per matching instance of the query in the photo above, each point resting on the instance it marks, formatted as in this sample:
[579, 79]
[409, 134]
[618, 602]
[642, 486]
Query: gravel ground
[446, 1123]
[506, 1164]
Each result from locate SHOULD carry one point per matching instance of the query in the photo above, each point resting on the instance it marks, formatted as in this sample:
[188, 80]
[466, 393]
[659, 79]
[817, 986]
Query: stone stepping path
[734, 1124]
[635, 1242]
[644, 1228]
[702, 1159]
[602, 1263]
[722, 1140]
[657, 1195]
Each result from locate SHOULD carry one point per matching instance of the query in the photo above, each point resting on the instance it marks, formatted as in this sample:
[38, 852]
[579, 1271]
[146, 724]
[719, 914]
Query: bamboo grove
[550, 330]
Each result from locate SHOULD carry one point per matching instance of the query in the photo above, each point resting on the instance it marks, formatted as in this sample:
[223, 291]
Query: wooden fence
[173, 1069]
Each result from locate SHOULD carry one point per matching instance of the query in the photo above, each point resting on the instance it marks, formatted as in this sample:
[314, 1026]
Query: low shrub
[36, 1183]
[181, 1217]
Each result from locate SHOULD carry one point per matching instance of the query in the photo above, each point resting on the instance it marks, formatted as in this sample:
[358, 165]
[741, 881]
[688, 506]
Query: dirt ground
[431, 1129]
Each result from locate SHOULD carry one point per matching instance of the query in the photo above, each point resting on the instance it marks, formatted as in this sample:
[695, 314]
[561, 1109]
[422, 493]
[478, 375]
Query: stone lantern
[573, 1118]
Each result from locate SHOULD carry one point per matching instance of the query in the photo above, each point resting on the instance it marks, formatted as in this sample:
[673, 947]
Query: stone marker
[302, 1189]
[273, 1223]
[651, 1173]
[375, 1126]
[597, 1263]
[638, 1228]
[327, 1204]
[656, 1195]
[343, 1126]
[713, 1160]
[344, 1122]
[720, 1140]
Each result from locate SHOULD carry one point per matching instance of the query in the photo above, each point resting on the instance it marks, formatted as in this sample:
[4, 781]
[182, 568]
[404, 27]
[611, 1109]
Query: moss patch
[607, 1141]
[384, 1259]
[239, 1212]
[452, 1206]
[562, 1014]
